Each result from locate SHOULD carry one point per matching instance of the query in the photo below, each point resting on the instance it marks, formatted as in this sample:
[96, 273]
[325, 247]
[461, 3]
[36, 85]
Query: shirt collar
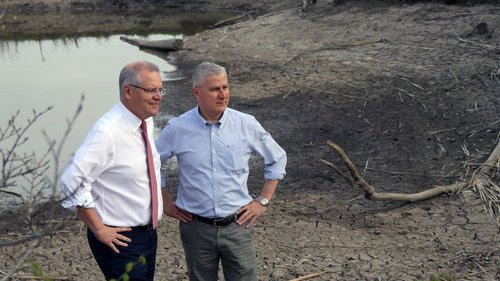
[131, 118]
[203, 122]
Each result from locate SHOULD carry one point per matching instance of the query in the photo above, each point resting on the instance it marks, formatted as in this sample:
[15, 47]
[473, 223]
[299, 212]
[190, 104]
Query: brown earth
[410, 91]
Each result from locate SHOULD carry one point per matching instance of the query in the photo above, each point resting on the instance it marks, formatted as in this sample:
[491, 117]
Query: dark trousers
[141, 252]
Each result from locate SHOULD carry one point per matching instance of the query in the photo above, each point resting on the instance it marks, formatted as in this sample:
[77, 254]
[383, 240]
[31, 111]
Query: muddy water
[36, 73]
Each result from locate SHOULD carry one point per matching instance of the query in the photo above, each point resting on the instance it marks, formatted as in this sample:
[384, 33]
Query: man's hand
[171, 210]
[250, 213]
[111, 237]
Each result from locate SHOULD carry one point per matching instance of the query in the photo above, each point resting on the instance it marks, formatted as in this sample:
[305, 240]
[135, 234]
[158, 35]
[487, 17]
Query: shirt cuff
[82, 199]
[274, 175]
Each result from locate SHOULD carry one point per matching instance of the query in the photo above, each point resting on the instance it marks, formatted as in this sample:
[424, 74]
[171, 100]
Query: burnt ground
[410, 91]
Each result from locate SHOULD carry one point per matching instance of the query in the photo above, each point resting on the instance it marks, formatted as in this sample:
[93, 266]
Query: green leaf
[125, 277]
[129, 267]
[37, 269]
[142, 260]
[447, 276]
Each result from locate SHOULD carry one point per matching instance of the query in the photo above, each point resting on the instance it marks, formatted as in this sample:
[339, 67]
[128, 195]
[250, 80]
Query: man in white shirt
[113, 180]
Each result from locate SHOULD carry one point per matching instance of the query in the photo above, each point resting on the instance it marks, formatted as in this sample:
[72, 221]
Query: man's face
[139, 101]
[212, 96]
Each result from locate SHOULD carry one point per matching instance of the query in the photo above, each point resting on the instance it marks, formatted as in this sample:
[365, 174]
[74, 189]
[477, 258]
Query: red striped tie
[152, 176]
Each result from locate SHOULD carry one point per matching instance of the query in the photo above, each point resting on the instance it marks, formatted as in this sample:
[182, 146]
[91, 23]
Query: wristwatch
[263, 201]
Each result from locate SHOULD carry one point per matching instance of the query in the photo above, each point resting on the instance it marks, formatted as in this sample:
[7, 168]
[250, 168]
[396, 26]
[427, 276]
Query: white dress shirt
[109, 171]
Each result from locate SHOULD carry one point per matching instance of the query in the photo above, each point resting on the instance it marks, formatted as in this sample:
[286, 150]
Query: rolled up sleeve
[89, 161]
[274, 155]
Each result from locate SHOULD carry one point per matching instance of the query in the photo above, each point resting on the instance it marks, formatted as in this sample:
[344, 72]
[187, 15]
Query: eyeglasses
[153, 91]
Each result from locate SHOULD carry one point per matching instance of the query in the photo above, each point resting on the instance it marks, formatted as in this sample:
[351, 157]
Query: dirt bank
[410, 91]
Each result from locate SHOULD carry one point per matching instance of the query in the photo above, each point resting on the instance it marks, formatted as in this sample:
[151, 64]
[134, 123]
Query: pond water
[38, 74]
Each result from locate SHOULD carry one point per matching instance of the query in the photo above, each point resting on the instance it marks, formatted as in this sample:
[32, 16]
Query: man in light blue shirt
[213, 145]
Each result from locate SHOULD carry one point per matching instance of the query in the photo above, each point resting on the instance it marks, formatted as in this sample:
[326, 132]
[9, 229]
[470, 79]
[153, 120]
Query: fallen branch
[338, 171]
[167, 45]
[309, 276]
[32, 277]
[479, 181]
[231, 20]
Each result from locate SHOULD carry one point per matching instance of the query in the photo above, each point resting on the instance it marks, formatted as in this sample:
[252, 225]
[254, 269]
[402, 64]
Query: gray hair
[203, 70]
[130, 73]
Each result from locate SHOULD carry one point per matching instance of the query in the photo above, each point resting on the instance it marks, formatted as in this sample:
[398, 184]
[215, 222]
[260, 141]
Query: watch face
[264, 201]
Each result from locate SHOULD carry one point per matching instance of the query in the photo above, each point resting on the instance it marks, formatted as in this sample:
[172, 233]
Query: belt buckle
[225, 221]
[216, 222]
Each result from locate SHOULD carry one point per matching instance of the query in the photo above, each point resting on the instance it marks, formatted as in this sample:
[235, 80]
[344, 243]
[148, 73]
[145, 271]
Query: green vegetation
[445, 276]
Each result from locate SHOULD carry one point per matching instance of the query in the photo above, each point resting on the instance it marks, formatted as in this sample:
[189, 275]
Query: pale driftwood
[370, 192]
[309, 276]
[492, 160]
[32, 277]
[232, 20]
[479, 181]
[167, 45]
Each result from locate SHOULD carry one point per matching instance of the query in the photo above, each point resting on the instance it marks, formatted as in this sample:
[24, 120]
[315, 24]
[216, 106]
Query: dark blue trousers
[141, 252]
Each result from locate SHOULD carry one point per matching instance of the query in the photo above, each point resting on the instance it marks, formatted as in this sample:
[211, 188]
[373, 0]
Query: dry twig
[34, 173]
[413, 84]
[477, 44]
[309, 276]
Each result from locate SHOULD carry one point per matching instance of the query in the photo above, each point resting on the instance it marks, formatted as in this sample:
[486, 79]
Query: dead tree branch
[480, 181]
[25, 177]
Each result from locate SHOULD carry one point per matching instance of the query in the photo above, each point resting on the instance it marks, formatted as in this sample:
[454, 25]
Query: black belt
[217, 222]
[139, 228]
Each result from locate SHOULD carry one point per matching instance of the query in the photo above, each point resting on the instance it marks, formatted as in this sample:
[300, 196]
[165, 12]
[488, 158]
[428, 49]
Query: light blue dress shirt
[213, 160]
